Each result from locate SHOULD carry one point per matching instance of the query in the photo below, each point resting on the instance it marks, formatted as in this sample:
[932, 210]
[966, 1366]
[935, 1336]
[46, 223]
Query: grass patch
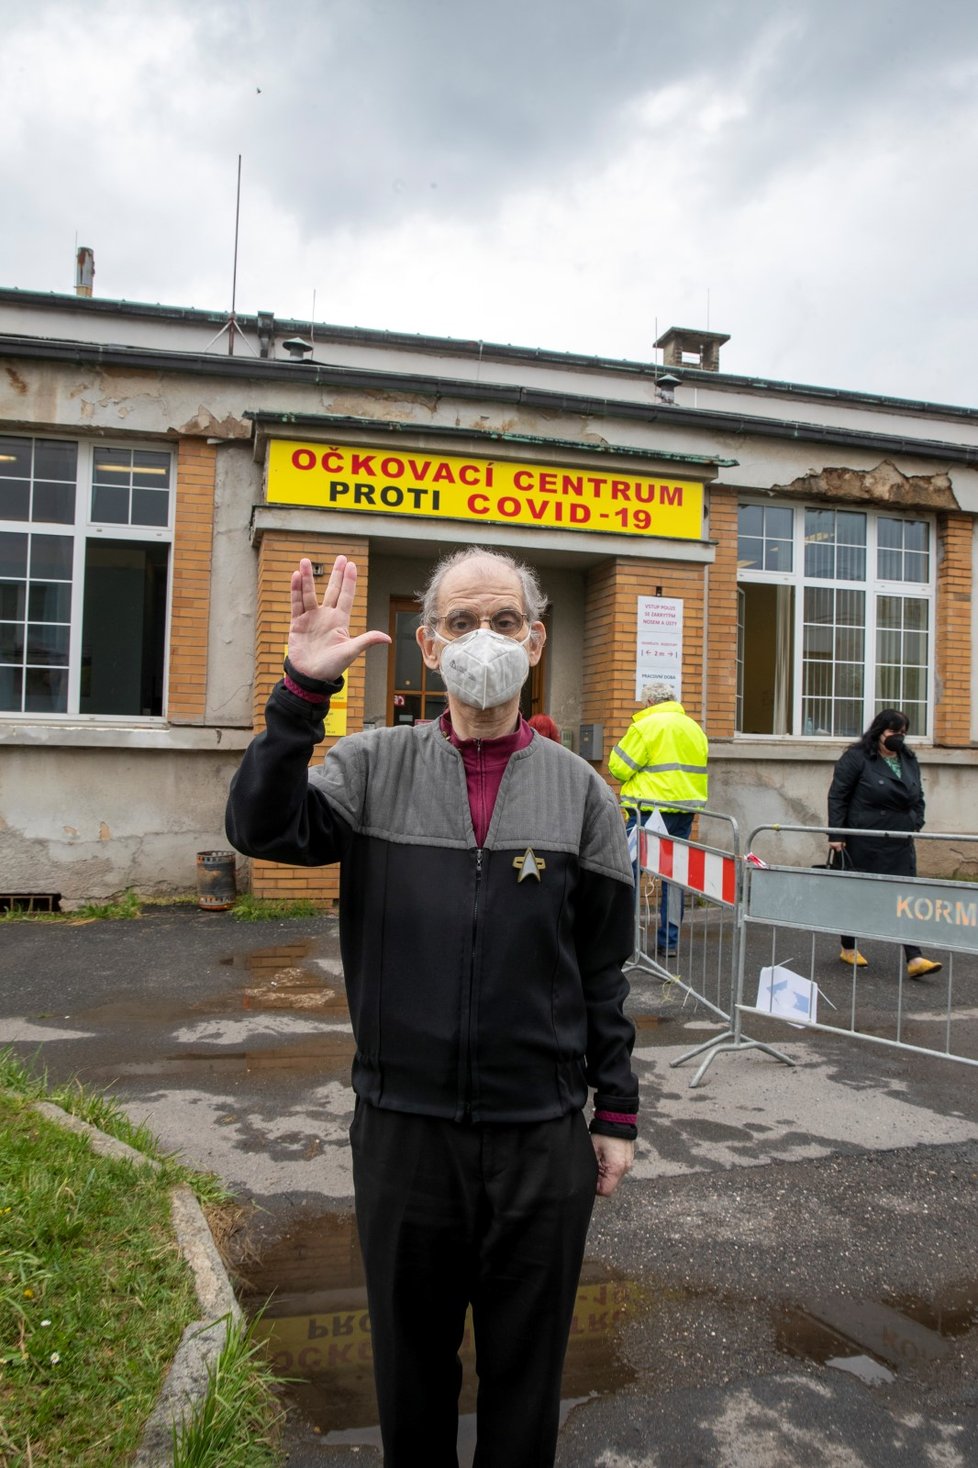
[126, 905]
[249, 909]
[246, 908]
[101, 1111]
[94, 1295]
[235, 1424]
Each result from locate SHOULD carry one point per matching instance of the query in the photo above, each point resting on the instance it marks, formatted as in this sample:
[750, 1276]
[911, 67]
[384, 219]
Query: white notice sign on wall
[659, 655]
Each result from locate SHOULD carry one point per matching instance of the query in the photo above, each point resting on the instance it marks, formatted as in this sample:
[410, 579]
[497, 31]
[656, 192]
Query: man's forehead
[481, 577]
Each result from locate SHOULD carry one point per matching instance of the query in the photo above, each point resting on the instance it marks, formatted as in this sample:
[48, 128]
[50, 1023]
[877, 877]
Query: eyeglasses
[508, 622]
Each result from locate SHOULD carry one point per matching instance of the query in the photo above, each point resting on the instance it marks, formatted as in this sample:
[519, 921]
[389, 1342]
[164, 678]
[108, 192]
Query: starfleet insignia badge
[528, 865]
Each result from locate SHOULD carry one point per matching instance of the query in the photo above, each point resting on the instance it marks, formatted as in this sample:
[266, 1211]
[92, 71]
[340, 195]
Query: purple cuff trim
[304, 693]
[620, 1118]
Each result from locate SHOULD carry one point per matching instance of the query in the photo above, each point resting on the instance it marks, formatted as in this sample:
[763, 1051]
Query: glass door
[415, 693]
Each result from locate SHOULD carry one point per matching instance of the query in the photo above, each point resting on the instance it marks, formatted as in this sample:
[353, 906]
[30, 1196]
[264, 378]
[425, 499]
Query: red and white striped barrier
[691, 866]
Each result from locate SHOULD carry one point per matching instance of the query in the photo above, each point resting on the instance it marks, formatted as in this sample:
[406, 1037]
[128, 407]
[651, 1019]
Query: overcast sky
[569, 174]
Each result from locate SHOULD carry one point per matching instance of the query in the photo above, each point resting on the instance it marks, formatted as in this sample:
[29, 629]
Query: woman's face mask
[483, 668]
[894, 742]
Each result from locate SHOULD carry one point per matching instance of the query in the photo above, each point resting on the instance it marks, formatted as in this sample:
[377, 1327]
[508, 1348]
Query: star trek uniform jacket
[485, 983]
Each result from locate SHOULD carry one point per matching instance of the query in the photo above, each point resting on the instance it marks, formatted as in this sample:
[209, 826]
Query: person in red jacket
[485, 918]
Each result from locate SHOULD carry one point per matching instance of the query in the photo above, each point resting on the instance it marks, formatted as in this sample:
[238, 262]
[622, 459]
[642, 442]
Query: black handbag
[838, 861]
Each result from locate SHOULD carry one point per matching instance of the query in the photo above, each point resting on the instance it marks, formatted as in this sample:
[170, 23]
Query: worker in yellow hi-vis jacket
[661, 759]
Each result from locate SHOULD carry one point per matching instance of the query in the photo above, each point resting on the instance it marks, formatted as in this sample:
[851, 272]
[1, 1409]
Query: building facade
[792, 557]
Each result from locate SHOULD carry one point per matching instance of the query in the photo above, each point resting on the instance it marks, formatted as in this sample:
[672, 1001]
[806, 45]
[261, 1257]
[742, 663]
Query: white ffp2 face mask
[483, 668]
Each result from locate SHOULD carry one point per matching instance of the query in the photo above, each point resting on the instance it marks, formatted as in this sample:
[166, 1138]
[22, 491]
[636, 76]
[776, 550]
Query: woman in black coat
[876, 787]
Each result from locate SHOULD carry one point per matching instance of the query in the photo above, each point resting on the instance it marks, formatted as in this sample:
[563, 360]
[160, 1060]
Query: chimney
[683, 347]
[84, 270]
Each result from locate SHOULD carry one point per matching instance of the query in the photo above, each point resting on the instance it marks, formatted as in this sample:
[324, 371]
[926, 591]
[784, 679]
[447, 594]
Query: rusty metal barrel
[215, 880]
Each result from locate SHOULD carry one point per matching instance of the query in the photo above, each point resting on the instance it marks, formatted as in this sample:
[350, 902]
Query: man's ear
[429, 646]
[534, 648]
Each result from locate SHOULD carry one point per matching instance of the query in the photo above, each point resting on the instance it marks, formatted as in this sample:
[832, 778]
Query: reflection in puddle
[277, 980]
[318, 1331]
[280, 984]
[650, 1021]
[873, 1339]
[324, 1057]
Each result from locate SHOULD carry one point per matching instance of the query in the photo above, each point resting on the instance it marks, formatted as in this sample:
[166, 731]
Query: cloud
[564, 173]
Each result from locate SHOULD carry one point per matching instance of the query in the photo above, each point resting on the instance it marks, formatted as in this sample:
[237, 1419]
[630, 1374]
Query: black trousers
[448, 1215]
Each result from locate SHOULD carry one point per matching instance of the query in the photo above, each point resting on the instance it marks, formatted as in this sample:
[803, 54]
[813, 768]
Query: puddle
[277, 979]
[874, 1339]
[650, 1021]
[318, 1331]
[324, 1058]
[288, 1012]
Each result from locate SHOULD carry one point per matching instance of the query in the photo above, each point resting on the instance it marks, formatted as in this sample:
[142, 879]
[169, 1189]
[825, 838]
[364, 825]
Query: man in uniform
[485, 914]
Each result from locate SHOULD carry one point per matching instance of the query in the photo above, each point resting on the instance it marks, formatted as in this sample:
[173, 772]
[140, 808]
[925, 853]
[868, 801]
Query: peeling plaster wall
[234, 583]
[176, 330]
[72, 399]
[883, 485]
[112, 819]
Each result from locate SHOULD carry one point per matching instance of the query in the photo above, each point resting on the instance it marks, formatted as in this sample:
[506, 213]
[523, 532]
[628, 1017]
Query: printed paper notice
[659, 655]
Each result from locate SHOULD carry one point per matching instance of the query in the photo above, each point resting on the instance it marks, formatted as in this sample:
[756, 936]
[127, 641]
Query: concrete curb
[202, 1340]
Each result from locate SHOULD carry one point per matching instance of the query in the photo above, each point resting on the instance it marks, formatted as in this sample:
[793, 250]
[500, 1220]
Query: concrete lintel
[395, 532]
[190, 738]
[810, 751]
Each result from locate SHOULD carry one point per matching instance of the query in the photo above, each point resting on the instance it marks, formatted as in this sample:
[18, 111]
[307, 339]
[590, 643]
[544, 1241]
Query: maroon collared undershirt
[485, 762]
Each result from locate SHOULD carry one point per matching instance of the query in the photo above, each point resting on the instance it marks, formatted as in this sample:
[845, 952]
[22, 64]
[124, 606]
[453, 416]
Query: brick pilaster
[721, 625]
[278, 556]
[952, 633]
[610, 638]
[191, 599]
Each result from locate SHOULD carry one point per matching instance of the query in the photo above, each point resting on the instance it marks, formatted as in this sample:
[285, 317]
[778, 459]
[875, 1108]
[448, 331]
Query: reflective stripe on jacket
[662, 757]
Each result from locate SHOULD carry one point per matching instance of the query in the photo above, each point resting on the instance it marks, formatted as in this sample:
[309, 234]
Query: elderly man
[661, 760]
[485, 915]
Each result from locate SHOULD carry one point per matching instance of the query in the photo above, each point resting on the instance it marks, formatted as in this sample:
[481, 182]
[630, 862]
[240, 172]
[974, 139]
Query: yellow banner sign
[378, 481]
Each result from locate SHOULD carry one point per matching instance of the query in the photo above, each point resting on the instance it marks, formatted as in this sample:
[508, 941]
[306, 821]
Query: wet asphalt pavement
[789, 1276]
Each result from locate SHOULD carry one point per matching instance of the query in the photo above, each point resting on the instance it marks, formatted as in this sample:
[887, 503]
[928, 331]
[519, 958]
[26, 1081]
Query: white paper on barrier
[783, 992]
[653, 822]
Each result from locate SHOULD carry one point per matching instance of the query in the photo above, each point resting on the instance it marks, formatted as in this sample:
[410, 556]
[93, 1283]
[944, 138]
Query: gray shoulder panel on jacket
[407, 785]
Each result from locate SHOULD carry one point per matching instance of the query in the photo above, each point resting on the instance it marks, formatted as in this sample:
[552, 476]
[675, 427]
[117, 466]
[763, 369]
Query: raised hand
[320, 645]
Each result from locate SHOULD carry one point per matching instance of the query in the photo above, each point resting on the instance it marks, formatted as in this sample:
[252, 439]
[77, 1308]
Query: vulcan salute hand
[320, 645]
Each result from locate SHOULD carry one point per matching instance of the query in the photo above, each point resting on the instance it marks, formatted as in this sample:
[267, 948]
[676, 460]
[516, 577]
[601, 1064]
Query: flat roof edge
[469, 346]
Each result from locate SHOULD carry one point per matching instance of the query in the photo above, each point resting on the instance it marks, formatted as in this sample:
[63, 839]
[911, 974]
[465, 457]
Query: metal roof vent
[297, 348]
[665, 385]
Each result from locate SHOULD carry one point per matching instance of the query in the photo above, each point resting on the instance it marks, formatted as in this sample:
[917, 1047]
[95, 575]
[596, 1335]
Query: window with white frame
[85, 533]
[835, 619]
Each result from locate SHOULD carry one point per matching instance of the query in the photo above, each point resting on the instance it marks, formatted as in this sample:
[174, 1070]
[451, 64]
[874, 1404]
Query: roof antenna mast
[231, 324]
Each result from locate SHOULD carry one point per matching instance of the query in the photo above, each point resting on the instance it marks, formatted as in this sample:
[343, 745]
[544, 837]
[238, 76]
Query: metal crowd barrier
[706, 962]
[878, 1004]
